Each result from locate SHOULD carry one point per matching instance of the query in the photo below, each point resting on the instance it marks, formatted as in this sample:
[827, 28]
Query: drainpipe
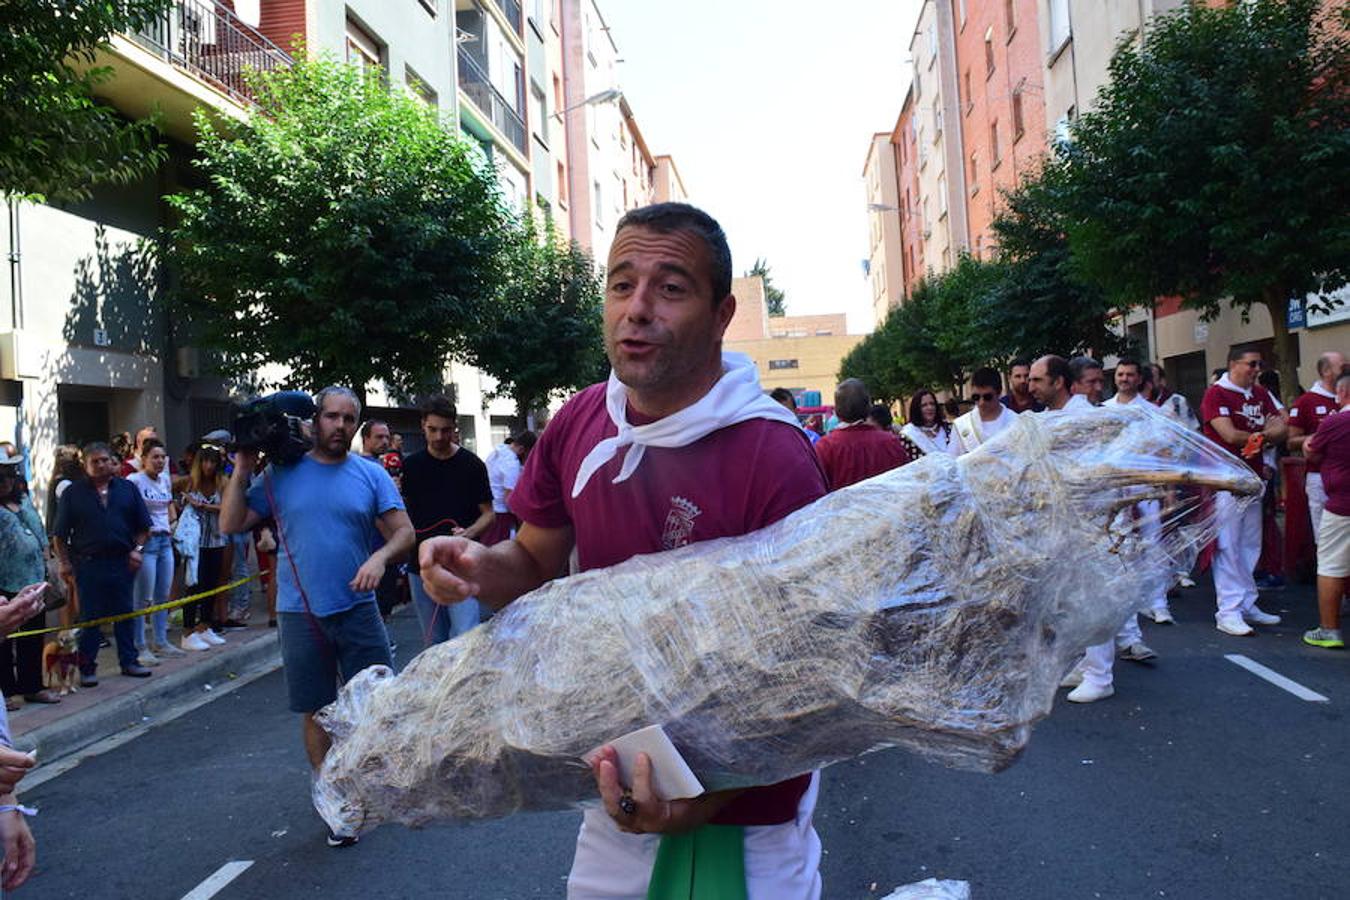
[15, 271]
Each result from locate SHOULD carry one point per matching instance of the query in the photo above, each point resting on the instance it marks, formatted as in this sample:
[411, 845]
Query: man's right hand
[450, 567]
[13, 766]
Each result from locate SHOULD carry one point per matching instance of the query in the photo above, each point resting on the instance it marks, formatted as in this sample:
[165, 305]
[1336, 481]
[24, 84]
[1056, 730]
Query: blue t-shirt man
[327, 519]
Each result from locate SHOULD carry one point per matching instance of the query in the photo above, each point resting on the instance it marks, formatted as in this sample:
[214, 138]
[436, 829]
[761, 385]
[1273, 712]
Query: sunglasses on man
[988, 397]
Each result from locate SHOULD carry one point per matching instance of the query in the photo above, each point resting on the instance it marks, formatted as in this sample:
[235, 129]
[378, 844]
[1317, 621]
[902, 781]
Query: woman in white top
[155, 578]
[927, 430]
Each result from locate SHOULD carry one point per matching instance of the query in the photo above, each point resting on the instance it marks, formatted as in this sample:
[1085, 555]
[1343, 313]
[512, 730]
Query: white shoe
[1161, 616]
[211, 637]
[1186, 581]
[1257, 617]
[194, 641]
[1087, 693]
[1074, 678]
[168, 650]
[1137, 652]
[147, 659]
[1233, 624]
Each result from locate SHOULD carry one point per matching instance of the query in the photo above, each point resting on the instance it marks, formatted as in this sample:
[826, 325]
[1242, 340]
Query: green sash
[707, 863]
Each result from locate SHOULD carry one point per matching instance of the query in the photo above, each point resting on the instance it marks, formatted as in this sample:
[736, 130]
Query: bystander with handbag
[23, 561]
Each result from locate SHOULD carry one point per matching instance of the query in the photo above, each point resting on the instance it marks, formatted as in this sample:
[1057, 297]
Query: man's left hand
[19, 848]
[650, 814]
[368, 576]
[134, 560]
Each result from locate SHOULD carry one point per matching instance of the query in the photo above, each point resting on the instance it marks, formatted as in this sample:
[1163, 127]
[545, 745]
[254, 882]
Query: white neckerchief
[1321, 390]
[1227, 384]
[736, 397]
[926, 443]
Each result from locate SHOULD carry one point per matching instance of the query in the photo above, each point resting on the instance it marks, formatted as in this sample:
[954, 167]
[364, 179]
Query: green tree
[1214, 165]
[774, 298]
[1036, 303]
[545, 333]
[344, 232]
[56, 141]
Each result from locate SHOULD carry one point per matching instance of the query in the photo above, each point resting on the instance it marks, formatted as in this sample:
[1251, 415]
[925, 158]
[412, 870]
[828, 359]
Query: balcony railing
[207, 39]
[474, 82]
[511, 9]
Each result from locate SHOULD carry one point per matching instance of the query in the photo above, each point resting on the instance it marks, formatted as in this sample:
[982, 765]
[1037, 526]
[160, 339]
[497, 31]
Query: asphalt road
[1197, 780]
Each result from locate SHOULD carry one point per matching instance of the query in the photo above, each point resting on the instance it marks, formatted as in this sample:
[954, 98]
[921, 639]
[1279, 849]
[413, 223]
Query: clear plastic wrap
[934, 607]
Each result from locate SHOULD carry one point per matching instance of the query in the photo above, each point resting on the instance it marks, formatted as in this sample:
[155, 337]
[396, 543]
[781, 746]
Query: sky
[768, 108]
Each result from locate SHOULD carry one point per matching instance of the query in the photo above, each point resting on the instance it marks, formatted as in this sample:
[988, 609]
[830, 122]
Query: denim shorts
[322, 652]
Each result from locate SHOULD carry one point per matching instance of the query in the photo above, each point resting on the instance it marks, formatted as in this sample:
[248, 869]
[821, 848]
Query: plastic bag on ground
[931, 889]
[934, 607]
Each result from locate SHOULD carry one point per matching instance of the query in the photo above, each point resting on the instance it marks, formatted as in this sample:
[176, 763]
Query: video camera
[275, 425]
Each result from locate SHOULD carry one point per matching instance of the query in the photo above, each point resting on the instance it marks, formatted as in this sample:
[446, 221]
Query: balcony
[474, 82]
[510, 9]
[208, 40]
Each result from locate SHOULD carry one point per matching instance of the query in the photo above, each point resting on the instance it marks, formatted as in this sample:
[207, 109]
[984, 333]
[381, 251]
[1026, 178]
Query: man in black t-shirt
[446, 491]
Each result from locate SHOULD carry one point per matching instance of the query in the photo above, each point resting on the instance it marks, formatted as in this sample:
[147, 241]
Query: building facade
[885, 263]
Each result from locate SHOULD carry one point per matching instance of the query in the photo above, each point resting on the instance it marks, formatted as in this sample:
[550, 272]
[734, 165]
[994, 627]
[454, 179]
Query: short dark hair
[665, 218]
[987, 377]
[1130, 361]
[1058, 367]
[916, 407]
[851, 400]
[439, 405]
[1019, 361]
[783, 395]
[369, 425]
[526, 439]
[1324, 364]
[881, 414]
[1236, 353]
[151, 443]
[1080, 366]
[93, 447]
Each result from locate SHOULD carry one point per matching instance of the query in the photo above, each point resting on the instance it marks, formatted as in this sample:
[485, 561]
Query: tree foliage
[1214, 164]
[344, 232]
[545, 332]
[774, 298]
[56, 141]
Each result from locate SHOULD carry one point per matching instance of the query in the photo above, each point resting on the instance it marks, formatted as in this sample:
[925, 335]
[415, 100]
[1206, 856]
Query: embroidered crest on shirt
[679, 523]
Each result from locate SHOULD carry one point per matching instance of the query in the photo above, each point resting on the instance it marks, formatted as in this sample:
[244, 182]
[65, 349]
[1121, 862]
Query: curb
[158, 701]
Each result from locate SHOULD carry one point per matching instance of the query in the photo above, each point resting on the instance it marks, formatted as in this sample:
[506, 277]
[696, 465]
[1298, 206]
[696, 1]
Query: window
[974, 172]
[538, 111]
[989, 52]
[995, 154]
[782, 364]
[418, 88]
[970, 95]
[1017, 114]
[1010, 16]
[599, 206]
[429, 6]
[918, 86]
[937, 121]
[1060, 27]
[961, 11]
[932, 42]
[942, 195]
[907, 210]
[562, 185]
[362, 48]
[979, 245]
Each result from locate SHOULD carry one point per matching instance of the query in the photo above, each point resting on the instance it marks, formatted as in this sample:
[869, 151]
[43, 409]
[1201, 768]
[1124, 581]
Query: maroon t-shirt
[849, 455]
[1248, 412]
[1307, 413]
[731, 482]
[1333, 444]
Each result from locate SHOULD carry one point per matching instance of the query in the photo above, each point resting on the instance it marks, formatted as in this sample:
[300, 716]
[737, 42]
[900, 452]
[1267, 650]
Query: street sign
[1297, 316]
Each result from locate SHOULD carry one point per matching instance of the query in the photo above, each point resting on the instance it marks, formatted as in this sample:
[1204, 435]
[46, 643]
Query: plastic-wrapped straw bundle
[934, 608]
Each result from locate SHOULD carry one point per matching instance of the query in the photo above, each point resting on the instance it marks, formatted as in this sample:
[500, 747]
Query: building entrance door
[83, 421]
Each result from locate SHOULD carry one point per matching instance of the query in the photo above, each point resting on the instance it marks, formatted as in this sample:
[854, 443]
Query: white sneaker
[1186, 581]
[1087, 693]
[1257, 617]
[146, 658]
[1137, 652]
[1161, 616]
[193, 641]
[211, 637]
[168, 650]
[1232, 624]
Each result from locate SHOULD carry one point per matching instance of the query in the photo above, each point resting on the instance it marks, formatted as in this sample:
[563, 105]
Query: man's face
[1242, 372]
[377, 442]
[1041, 384]
[441, 433]
[1337, 363]
[1091, 384]
[1017, 379]
[1127, 380]
[986, 400]
[663, 330]
[335, 425]
[98, 466]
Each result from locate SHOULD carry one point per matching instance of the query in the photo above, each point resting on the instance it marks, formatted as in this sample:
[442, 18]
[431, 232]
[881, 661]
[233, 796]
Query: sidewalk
[91, 714]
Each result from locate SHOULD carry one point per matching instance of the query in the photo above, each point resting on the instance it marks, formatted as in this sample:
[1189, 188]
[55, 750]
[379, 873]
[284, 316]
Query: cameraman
[329, 507]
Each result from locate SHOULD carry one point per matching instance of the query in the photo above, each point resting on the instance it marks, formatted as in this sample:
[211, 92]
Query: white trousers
[1317, 501]
[782, 862]
[1099, 660]
[1239, 552]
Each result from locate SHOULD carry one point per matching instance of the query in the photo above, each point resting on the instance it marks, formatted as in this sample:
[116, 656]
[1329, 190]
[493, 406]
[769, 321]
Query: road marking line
[217, 881]
[1275, 678]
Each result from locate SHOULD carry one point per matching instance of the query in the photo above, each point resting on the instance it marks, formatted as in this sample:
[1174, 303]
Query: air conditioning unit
[20, 357]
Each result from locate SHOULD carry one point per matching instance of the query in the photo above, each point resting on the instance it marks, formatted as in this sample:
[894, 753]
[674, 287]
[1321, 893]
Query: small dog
[61, 662]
